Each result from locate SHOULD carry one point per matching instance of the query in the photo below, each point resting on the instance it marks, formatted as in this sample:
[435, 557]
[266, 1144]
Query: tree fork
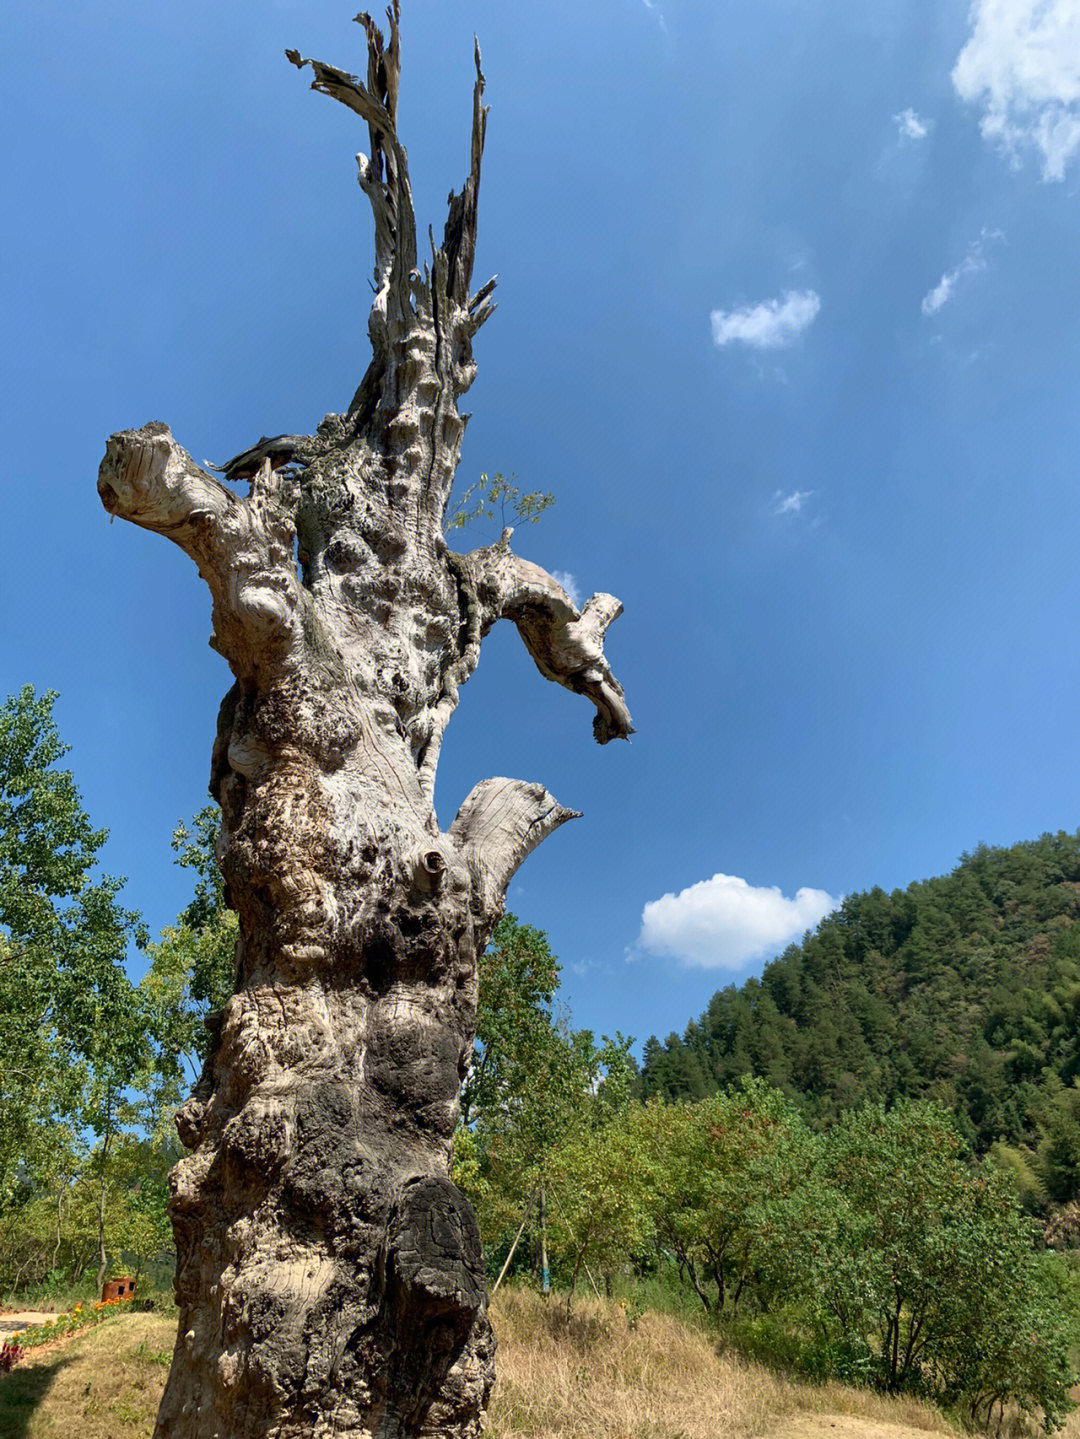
[329, 1274]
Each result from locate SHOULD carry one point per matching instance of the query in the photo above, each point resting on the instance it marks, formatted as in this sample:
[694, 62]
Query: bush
[908, 1248]
[783, 1340]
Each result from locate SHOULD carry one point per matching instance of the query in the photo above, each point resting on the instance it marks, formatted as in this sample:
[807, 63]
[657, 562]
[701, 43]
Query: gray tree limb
[498, 826]
[242, 546]
[567, 644]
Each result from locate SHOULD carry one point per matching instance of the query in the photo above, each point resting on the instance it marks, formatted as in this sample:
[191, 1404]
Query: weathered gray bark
[329, 1274]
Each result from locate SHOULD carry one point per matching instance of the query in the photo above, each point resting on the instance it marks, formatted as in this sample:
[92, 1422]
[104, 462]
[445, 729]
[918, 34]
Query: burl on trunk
[329, 1274]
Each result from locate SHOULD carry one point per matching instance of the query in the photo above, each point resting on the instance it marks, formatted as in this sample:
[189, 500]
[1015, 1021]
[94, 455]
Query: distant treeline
[963, 989]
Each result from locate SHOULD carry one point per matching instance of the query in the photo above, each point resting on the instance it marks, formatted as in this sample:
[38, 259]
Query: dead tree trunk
[329, 1275]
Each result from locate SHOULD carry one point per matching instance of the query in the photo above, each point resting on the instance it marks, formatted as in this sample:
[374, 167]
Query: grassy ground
[600, 1376]
[103, 1384]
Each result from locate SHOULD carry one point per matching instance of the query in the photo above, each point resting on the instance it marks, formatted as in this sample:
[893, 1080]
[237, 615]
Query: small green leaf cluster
[494, 497]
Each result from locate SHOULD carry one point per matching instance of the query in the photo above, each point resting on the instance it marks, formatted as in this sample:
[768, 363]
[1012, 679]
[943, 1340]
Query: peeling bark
[329, 1275]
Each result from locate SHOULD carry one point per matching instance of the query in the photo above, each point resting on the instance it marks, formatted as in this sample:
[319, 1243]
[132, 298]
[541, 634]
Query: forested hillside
[964, 988]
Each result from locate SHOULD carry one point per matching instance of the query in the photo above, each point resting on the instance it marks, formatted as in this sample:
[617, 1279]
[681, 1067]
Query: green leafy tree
[715, 1174]
[923, 1259]
[32, 1086]
[1014, 1343]
[530, 1071]
[1022, 1167]
[502, 1159]
[515, 1023]
[1057, 1155]
[71, 1033]
[192, 971]
[596, 1186]
[140, 1176]
[533, 1082]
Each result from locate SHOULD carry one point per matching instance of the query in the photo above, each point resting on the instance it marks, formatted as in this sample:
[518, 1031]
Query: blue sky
[788, 324]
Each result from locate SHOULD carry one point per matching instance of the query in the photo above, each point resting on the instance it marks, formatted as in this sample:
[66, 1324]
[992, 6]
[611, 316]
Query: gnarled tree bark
[329, 1274]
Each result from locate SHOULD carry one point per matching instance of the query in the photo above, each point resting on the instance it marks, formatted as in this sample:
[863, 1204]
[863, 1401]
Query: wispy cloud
[569, 584]
[973, 263]
[768, 326]
[790, 504]
[911, 126]
[657, 14]
[1021, 65]
[725, 923]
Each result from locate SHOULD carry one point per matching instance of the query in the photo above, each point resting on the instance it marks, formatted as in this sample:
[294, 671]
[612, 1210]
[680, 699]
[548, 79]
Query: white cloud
[657, 13]
[973, 263]
[770, 325]
[790, 504]
[570, 585]
[724, 923]
[911, 127]
[1021, 64]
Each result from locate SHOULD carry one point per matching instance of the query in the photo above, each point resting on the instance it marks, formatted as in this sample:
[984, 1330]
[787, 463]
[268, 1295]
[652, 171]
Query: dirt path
[842, 1426]
[13, 1321]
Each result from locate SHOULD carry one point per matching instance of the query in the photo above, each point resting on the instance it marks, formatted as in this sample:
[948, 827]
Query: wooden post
[513, 1247]
[545, 1274]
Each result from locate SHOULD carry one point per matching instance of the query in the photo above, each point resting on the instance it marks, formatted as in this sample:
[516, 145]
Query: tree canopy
[73, 1037]
[69, 1037]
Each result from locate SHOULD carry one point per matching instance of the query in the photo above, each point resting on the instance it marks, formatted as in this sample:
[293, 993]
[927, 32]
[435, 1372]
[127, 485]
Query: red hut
[117, 1289]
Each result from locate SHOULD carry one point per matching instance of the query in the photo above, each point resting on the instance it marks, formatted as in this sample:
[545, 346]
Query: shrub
[908, 1247]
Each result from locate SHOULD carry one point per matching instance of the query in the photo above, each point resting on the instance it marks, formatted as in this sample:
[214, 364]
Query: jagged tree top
[405, 298]
[374, 599]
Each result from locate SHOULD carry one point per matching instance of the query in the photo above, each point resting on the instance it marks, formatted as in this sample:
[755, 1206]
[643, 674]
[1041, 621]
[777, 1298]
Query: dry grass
[1017, 1426]
[597, 1378]
[103, 1384]
[594, 1378]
